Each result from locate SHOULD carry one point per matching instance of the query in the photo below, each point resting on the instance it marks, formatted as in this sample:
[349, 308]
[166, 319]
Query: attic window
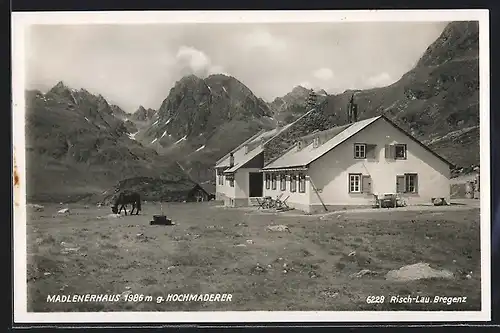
[316, 142]
[400, 151]
[396, 151]
[246, 149]
[300, 145]
[359, 150]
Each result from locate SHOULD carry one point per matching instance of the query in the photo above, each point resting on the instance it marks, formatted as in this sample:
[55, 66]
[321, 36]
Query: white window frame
[316, 142]
[353, 177]
[408, 178]
[282, 182]
[302, 183]
[360, 150]
[400, 145]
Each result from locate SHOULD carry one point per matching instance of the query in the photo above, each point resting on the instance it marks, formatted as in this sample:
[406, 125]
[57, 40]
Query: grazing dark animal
[125, 198]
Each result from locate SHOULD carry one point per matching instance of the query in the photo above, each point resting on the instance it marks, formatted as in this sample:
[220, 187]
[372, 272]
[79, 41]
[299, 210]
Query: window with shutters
[411, 183]
[354, 183]
[407, 183]
[316, 142]
[283, 182]
[400, 152]
[396, 151]
[273, 181]
[293, 183]
[268, 181]
[302, 183]
[359, 150]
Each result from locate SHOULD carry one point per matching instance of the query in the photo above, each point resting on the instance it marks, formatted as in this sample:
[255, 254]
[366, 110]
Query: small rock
[128, 288]
[353, 253]
[139, 235]
[284, 271]
[86, 207]
[64, 211]
[37, 208]
[417, 272]
[269, 266]
[169, 268]
[47, 273]
[249, 241]
[284, 265]
[278, 228]
[279, 259]
[361, 273]
[241, 245]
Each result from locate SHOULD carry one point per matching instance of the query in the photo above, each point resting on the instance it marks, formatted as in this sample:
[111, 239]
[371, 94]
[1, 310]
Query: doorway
[255, 184]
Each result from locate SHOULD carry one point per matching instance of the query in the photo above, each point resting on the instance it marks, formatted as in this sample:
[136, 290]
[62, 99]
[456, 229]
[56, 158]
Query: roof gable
[305, 155]
[302, 156]
[418, 141]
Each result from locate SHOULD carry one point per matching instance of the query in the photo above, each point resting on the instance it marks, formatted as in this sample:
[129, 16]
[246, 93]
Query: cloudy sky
[132, 65]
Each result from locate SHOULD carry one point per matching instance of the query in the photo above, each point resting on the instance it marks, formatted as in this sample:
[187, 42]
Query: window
[300, 145]
[396, 151]
[293, 183]
[302, 183]
[273, 181]
[283, 182]
[354, 183]
[400, 152]
[316, 142]
[221, 180]
[359, 150]
[268, 181]
[246, 149]
[231, 183]
[407, 183]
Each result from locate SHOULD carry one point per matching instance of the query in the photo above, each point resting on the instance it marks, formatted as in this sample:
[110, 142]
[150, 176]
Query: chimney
[231, 160]
[354, 113]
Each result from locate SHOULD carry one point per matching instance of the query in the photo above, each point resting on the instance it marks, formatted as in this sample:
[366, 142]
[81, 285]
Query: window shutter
[366, 186]
[370, 151]
[400, 184]
[387, 151]
[416, 183]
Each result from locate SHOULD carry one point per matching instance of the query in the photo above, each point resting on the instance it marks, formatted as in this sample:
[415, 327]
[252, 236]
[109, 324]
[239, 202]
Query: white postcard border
[20, 20]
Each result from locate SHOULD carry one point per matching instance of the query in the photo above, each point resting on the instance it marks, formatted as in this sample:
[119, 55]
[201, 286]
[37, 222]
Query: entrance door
[255, 183]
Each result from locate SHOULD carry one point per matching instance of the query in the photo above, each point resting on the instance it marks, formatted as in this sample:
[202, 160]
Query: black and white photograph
[251, 166]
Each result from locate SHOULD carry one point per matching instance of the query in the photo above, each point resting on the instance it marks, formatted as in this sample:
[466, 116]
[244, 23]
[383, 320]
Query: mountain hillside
[76, 147]
[437, 101]
[291, 106]
[143, 115]
[202, 119]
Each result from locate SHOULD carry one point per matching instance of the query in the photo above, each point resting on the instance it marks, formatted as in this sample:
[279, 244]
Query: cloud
[263, 39]
[379, 80]
[323, 74]
[190, 60]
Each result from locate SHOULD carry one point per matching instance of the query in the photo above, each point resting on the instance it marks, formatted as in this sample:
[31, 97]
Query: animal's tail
[139, 204]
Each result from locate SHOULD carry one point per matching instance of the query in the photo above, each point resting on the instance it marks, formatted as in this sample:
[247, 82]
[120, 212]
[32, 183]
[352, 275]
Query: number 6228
[375, 299]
